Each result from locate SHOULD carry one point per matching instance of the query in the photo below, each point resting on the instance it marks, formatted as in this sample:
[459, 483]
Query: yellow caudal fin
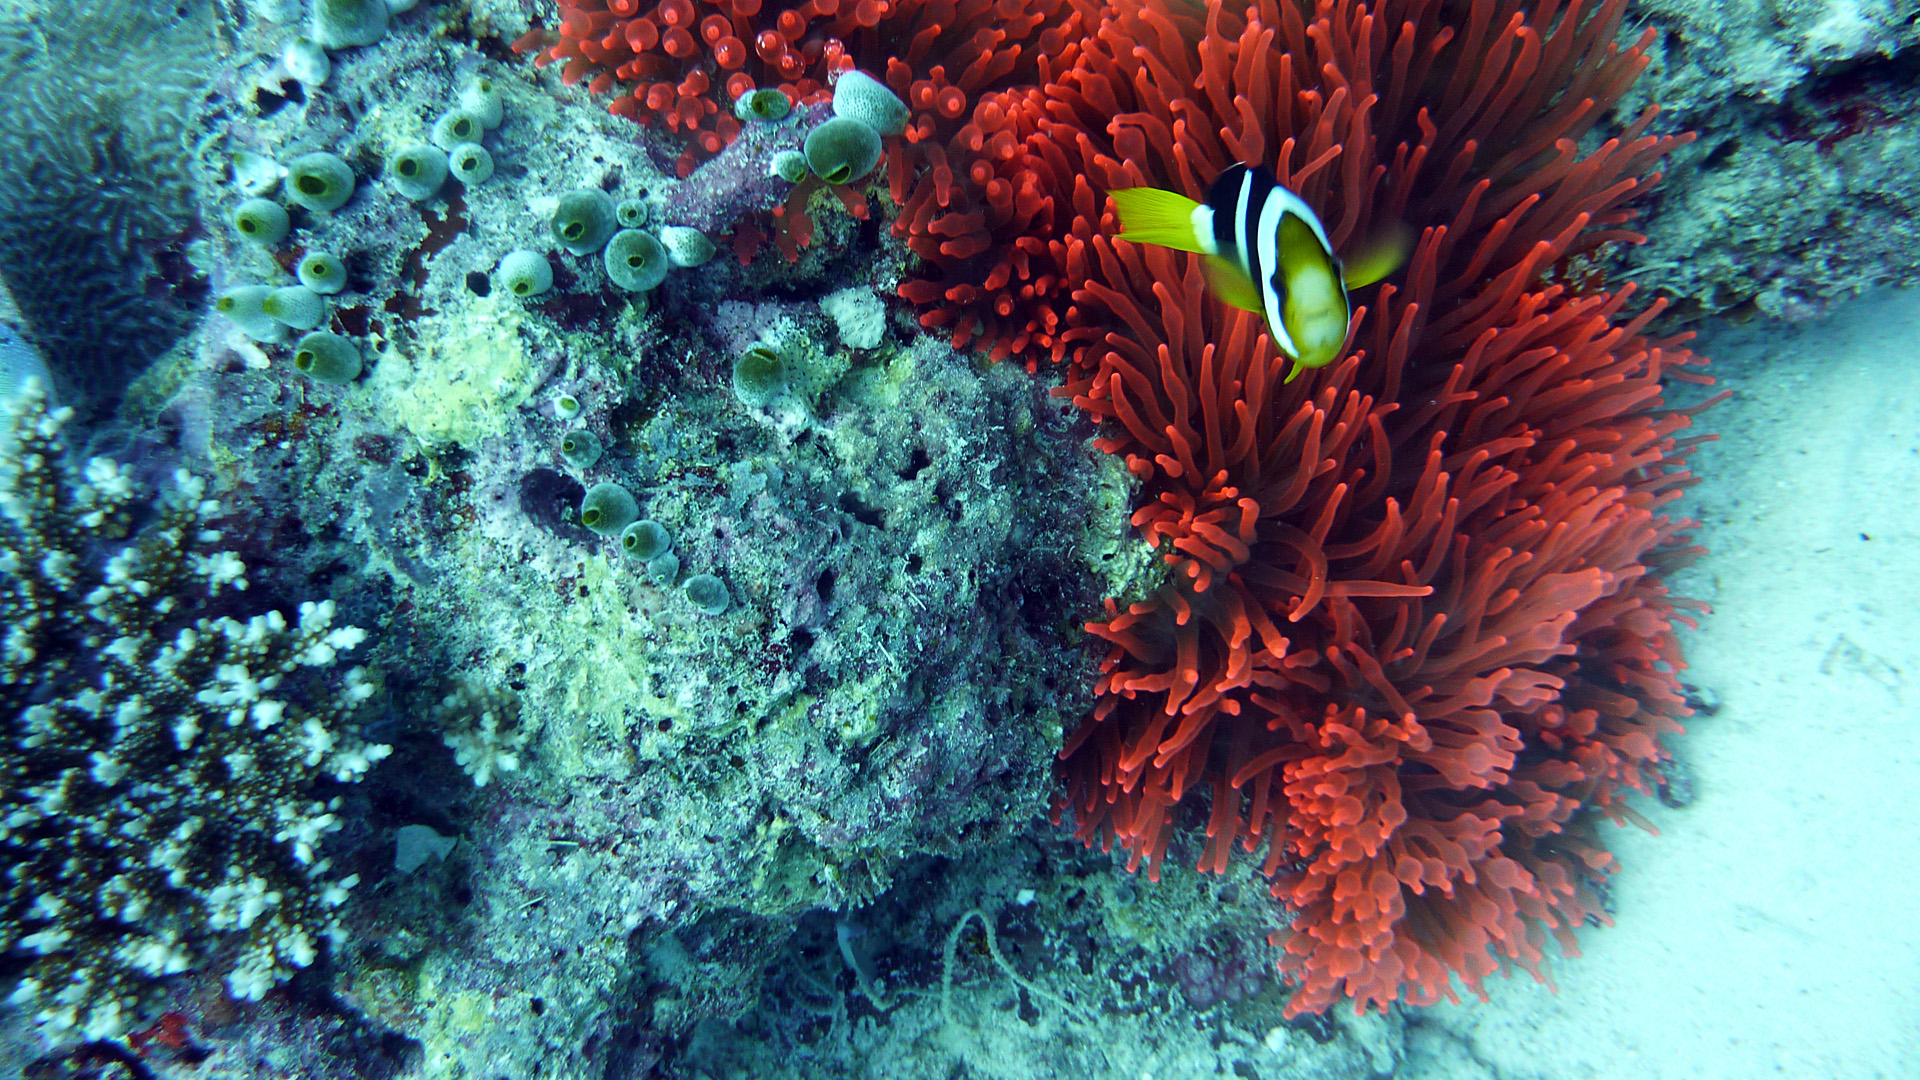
[1228, 283]
[1379, 255]
[1153, 216]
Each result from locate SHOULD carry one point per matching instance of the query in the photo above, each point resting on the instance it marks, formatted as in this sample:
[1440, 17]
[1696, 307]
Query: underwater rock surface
[1799, 190]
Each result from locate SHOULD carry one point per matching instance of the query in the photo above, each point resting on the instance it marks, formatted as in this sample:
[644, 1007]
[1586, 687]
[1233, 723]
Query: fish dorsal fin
[1379, 255]
[1232, 285]
[1153, 216]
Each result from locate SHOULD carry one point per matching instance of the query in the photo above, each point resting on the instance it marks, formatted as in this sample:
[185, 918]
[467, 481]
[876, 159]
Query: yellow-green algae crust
[457, 380]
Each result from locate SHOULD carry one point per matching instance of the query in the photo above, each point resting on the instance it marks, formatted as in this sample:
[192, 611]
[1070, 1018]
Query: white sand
[1773, 929]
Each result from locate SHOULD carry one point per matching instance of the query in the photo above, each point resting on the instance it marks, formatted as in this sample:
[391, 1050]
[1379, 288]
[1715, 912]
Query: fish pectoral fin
[1380, 255]
[1153, 216]
[1232, 285]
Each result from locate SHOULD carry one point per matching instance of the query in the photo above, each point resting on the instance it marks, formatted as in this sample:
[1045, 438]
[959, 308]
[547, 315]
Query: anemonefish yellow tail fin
[1381, 254]
[1153, 216]
[1232, 285]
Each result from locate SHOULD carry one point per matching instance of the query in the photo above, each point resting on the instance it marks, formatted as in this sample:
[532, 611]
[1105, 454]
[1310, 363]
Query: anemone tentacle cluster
[1409, 636]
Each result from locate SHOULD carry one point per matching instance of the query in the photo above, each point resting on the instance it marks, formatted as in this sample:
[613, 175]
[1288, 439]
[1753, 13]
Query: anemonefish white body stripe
[1203, 229]
[1261, 207]
[1267, 253]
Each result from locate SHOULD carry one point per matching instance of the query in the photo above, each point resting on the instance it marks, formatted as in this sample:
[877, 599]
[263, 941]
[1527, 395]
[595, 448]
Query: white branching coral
[483, 730]
[164, 774]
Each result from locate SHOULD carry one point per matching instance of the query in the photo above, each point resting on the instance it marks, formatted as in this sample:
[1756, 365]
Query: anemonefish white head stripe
[1266, 253]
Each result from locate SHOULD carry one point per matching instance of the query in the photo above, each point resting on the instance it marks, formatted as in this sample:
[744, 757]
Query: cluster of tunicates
[319, 182]
[847, 147]
[588, 221]
[611, 510]
[323, 182]
[649, 544]
[418, 170]
[770, 106]
[346, 24]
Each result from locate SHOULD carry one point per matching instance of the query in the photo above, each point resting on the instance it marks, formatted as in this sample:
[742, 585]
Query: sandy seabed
[1772, 929]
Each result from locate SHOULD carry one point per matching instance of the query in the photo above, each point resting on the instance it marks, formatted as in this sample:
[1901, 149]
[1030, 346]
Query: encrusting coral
[163, 774]
[1409, 629]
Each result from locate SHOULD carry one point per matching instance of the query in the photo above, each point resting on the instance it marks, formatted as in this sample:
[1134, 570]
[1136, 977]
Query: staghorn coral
[1408, 629]
[482, 728]
[162, 771]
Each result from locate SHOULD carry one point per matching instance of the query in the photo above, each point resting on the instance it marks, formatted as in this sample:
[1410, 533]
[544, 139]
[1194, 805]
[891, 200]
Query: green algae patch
[866, 720]
[1127, 567]
[472, 1011]
[608, 646]
[460, 378]
[791, 874]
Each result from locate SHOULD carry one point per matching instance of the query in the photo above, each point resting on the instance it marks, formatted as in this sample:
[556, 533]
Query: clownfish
[1266, 253]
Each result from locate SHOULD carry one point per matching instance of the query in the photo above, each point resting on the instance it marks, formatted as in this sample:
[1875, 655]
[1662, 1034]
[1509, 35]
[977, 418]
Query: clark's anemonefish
[1266, 253]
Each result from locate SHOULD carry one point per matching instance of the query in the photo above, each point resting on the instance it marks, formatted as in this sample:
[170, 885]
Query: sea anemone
[1409, 635]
